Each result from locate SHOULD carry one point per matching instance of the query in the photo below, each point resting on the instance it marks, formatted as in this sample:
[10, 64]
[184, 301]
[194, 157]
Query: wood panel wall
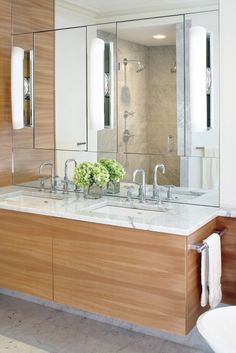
[23, 16]
[5, 102]
[34, 146]
[27, 162]
[228, 243]
[32, 15]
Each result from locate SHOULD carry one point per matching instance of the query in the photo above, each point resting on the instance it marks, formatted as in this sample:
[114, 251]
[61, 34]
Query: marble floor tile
[32, 328]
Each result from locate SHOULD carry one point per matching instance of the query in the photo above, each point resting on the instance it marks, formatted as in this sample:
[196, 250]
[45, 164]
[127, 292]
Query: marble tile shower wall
[132, 97]
[161, 99]
[151, 95]
[162, 111]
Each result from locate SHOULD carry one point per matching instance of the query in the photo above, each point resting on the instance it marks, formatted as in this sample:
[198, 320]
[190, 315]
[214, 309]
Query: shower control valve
[127, 114]
[127, 135]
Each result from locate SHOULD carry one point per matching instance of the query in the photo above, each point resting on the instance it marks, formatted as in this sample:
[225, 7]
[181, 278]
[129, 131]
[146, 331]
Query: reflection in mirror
[102, 132]
[202, 100]
[202, 84]
[70, 93]
[109, 85]
[24, 137]
[22, 87]
[141, 120]
[151, 88]
[188, 192]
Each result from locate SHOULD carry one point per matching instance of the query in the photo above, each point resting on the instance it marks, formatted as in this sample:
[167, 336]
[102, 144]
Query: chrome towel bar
[200, 247]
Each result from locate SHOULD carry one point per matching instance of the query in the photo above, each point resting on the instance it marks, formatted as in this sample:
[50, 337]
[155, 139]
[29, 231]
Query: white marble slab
[179, 219]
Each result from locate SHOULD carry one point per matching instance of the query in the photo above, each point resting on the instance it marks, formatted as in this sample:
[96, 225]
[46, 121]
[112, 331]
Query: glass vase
[113, 187]
[93, 192]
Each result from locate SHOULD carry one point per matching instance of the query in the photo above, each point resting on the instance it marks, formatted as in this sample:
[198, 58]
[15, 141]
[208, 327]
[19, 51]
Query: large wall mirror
[129, 90]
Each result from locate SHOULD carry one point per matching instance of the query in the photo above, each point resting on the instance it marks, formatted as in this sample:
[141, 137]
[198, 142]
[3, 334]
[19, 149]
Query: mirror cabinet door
[202, 84]
[102, 68]
[70, 89]
[202, 101]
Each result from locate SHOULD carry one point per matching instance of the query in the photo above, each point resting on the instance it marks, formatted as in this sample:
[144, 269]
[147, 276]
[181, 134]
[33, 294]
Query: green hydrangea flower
[87, 174]
[115, 169]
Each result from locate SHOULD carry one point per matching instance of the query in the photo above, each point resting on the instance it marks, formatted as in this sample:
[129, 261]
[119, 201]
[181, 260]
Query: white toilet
[218, 327]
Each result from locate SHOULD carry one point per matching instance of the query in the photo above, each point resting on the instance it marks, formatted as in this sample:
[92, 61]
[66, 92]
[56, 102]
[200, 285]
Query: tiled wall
[151, 96]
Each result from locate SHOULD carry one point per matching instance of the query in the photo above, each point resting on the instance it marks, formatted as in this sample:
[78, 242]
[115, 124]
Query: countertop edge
[129, 222]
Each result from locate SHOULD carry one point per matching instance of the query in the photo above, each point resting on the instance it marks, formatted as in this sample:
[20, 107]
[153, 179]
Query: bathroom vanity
[129, 266]
[147, 276]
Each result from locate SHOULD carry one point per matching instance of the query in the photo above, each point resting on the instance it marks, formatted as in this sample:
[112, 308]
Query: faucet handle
[158, 195]
[42, 184]
[55, 181]
[169, 195]
[129, 188]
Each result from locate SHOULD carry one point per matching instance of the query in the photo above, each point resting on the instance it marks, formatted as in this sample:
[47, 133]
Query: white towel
[210, 169]
[204, 277]
[211, 272]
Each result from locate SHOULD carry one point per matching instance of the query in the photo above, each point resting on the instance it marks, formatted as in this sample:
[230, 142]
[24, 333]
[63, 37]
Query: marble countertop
[178, 219]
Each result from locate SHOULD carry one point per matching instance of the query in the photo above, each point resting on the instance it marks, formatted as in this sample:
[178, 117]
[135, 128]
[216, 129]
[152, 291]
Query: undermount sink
[137, 211]
[32, 200]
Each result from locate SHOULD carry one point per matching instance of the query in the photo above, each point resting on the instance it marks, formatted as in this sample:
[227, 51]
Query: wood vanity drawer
[25, 254]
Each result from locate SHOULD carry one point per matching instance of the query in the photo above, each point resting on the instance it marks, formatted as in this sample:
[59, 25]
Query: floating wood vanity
[144, 277]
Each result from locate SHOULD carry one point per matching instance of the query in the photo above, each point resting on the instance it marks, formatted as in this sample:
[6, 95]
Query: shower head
[140, 66]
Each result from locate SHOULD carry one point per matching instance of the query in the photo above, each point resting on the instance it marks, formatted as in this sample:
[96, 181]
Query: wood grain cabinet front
[142, 277]
[25, 254]
[146, 278]
[134, 275]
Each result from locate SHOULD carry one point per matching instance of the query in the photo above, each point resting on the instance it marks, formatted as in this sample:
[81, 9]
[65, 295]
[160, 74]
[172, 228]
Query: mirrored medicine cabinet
[133, 91]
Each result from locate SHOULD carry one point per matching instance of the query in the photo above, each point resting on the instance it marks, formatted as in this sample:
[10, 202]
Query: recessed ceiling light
[159, 36]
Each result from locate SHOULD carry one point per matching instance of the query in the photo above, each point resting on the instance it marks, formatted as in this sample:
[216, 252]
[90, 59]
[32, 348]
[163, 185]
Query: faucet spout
[42, 181]
[142, 186]
[155, 181]
[66, 179]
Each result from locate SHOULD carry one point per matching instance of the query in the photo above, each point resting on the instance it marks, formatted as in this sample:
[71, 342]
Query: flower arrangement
[115, 169]
[87, 174]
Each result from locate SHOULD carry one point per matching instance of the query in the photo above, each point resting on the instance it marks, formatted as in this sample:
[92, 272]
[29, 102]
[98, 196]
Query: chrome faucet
[169, 196]
[142, 186]
[129, 193]
[66, 179]
[155, 183]
[42, 180]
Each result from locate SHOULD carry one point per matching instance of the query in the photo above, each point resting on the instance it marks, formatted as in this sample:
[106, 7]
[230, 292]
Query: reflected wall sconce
[96, 84]
[200, 78]
[22, 88]
[109, 89]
